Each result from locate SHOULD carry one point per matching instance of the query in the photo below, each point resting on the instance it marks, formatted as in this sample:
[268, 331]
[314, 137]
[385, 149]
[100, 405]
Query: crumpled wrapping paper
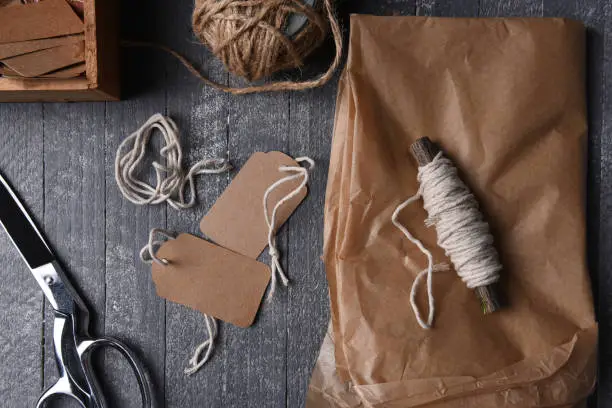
[505, 100]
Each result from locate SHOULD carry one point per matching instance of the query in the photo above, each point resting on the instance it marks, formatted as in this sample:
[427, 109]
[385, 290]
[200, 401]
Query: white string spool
[462, 231]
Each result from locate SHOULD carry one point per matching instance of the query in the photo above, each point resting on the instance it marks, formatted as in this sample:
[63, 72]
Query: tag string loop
[294, 173]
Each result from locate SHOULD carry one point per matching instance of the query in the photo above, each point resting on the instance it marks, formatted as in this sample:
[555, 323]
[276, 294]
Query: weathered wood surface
[21, 369]
[60, 157]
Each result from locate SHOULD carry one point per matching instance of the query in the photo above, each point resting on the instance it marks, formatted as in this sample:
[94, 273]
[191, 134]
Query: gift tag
[70, 72]
[41, 62]
[49, 18]
[236, 221]
[24, 47]
[211, 279]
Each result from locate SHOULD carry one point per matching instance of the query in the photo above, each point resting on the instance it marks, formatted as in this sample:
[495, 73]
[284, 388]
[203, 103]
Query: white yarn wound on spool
[171, 178]
[462, 231]
[298, 172]
[148, 256]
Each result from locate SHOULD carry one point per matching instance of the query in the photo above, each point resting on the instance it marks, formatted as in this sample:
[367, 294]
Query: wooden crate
[101, 82]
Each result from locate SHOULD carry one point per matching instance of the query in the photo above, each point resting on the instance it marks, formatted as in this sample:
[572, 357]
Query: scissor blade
[21, 228]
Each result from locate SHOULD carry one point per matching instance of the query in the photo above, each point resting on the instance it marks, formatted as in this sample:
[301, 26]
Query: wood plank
[249, 366]
[21, 162]
[255, 358]
[201, 114]
[447, 8]
[75, 207]
[385, 8]
[106, 52]
[134, 313]
[311, 123]
[509, 8]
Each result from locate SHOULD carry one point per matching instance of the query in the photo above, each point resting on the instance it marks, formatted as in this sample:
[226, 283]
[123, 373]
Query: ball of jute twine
[249, 37]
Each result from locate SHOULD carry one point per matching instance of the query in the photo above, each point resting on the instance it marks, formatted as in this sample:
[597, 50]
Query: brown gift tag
[49, 18]
[211, 279]
[25, 47]
[69, 72]
[237, 220]
[64, 73]
[41, 62]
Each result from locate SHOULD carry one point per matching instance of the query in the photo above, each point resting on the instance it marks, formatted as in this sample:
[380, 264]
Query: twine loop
[295, 172]
[171, 178]
[204, 351]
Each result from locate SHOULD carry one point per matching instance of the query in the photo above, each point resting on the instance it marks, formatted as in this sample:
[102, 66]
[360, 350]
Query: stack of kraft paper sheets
[41, 40]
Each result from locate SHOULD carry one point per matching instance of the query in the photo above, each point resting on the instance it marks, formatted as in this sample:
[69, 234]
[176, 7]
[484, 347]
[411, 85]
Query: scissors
[72, 345]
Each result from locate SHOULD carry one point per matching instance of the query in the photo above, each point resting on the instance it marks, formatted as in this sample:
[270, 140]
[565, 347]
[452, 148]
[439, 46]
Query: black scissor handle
[85, 350]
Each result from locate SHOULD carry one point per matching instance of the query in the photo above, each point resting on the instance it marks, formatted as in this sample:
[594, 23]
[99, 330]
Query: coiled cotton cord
[170, 178]
[295, 172]
[206, 348]
[461, 229]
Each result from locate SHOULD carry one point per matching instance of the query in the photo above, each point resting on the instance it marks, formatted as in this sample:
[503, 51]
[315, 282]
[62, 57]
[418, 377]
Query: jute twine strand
[461, 230]
[248, 36]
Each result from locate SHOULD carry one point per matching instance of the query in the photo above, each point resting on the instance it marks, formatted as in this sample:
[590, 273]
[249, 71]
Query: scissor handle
[86, 391]
[86, 348]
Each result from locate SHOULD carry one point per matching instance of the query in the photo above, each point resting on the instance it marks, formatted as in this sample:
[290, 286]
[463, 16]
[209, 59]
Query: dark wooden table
[61, 158]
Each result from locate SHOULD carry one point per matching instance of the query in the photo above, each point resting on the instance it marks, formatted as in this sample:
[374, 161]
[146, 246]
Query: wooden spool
[424, 151]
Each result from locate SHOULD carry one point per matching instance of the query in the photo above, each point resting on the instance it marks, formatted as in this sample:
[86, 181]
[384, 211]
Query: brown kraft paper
[505, 100]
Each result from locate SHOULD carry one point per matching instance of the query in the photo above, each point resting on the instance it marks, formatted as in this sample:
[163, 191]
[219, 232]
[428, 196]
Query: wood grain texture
[21, 301]
[75, 207]
[447, 8]
[98, 234]
[134, 313]
[255, 358]
[511, 8]
[308, 300]
[384, 8]
[201, 114]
